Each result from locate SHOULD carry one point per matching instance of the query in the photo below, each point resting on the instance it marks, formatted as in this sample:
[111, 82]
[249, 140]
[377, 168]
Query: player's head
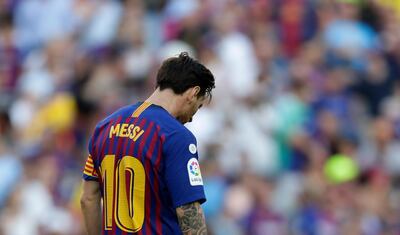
[189, 79]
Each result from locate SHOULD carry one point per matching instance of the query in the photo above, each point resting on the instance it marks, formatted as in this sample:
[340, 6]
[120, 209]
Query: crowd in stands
[302, 135]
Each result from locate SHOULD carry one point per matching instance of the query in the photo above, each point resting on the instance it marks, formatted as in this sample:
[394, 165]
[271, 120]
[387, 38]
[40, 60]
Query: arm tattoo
[191, 219]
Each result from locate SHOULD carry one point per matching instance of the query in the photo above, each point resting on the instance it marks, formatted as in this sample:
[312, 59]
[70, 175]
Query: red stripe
[156, 185]
[88, 173]
[121, 140]
[157, 163]
[148, 169]
[141, 124]
[147, 193]
[152, 144]
[126, 140]
[143, 142]
[91, 170]
[88, 167]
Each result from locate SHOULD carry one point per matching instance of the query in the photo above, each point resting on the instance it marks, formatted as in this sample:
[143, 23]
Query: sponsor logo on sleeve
[193, 168]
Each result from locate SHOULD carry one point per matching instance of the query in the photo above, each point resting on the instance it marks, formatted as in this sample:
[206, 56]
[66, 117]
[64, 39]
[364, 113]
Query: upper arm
[90, 170]
[191, 219]
[182, 171]
[91, 191]
[91, 186]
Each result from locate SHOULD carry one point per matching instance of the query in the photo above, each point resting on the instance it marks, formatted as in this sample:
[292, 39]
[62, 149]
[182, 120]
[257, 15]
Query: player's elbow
[91, 195]
[85, 201]
[89, 200]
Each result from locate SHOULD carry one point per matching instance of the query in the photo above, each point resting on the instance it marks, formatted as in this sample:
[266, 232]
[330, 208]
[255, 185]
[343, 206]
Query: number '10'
[128, 211]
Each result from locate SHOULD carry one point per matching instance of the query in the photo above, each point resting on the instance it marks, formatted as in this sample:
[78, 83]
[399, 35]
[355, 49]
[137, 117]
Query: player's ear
[193, 93]
[196, 91]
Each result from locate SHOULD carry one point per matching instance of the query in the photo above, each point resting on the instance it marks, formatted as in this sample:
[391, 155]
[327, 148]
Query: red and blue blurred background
[301, 137]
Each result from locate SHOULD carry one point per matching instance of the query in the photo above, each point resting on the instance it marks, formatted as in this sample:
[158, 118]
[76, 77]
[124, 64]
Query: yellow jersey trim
[140, 109]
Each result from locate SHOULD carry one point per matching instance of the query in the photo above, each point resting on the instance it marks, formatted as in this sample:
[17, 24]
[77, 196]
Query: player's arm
[191, 219]
[91, 207]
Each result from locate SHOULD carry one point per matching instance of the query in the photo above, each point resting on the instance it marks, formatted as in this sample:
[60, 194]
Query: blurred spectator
[37, 22]
[101, 26]
[376, 84]
[381, 150]
[348, 37]
[10, 56]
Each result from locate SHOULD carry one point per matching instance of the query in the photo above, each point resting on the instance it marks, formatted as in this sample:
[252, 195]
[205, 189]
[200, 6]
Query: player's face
[191, 108]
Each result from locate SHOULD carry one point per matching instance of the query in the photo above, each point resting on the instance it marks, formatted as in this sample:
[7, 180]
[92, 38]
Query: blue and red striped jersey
[146, 163]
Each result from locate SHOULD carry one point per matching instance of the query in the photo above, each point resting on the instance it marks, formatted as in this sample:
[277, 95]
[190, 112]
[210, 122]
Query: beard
[183, 119]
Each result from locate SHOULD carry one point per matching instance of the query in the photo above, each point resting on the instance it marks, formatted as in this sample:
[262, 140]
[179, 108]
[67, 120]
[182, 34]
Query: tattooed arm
[191, 219]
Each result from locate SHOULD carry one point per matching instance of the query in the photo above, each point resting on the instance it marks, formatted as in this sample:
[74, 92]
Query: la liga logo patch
[194, 168]
[194, 173]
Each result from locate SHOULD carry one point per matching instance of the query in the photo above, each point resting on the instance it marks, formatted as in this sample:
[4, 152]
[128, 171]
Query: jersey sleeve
[182, 169]
[90, 172]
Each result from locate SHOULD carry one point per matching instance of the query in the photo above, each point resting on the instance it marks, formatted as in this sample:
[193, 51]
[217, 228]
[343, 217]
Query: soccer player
[143, 161]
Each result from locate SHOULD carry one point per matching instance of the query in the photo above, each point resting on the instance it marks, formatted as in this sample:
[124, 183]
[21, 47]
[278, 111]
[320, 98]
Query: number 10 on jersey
[124, 193]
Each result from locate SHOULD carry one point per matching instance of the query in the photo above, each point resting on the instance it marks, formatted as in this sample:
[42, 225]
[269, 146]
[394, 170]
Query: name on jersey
[126, 130]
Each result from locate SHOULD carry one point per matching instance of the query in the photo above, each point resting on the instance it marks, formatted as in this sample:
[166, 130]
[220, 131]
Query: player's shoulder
[180, 139]
[181, 134]
[162, 118]
[169, 125]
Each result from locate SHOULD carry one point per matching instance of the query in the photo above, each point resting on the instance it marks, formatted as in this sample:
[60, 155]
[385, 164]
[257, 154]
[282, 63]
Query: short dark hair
[183, 72]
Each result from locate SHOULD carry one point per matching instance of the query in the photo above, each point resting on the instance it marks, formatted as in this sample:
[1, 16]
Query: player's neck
[166, 99]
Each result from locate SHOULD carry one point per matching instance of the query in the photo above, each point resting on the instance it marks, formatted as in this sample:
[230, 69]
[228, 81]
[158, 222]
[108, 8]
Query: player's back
[134, 153]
